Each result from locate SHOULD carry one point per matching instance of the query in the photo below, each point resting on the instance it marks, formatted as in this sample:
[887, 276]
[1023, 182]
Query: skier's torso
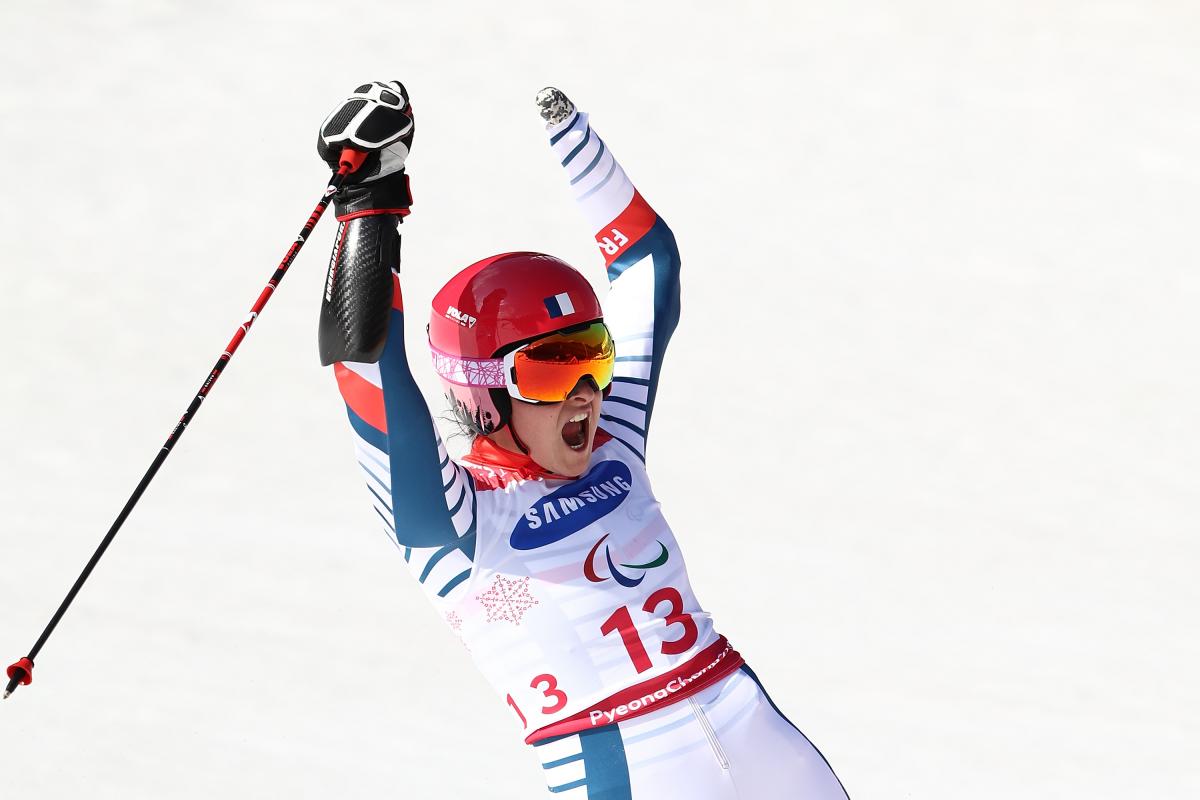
[579, 592]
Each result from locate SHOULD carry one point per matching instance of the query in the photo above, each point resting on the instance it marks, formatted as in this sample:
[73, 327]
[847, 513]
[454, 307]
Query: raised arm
[425, 501]
[639, 250]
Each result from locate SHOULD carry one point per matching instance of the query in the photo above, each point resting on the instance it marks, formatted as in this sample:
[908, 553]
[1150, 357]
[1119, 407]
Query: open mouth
[575, 432]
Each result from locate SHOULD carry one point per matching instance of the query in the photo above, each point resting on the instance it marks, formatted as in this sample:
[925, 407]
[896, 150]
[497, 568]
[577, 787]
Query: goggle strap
[485, 373]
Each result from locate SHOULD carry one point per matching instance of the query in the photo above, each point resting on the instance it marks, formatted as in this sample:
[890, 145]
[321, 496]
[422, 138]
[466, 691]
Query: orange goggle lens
[548, 369]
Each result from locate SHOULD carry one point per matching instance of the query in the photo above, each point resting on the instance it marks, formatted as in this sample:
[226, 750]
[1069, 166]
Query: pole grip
[352, 158]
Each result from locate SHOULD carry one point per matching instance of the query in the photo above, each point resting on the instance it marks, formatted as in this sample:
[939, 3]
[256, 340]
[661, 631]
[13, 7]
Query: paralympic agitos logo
[589, 564]
[573, 507]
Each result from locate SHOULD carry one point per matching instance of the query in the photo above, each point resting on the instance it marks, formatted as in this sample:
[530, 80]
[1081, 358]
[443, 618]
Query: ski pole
[20, 673]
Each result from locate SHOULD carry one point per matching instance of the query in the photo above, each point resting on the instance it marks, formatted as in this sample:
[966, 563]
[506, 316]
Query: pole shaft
[334, 184]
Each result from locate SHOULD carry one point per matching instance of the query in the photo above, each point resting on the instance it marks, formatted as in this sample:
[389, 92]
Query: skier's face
[559, 435]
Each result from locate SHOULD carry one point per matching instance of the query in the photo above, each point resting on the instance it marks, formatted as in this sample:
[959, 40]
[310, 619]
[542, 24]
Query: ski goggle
[542, 371]
[547, 369]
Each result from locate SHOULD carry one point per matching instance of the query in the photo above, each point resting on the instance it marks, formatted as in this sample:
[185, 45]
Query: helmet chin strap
[512, 429]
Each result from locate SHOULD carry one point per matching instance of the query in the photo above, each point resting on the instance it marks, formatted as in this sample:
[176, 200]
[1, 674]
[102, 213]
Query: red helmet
[494, 306]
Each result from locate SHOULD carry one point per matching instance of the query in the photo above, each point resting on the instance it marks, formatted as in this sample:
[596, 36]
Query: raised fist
[553, 105]
[377, 119]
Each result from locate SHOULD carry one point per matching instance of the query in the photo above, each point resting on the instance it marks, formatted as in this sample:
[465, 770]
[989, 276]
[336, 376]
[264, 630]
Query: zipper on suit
[702, 718]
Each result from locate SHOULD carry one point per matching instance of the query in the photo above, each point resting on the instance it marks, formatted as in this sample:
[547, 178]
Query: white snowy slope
[939, 322]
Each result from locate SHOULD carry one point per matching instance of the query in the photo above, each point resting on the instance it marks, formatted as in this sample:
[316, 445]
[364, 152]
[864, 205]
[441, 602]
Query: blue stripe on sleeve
[371, 489]
[625, 401]
[458, 504]
[371, 472]
[371, 457]
[470, 531]
[372, 436]
[620, 421]
[556, 137]
[628, 446]
[571, 156]
[599, 185]
[386, 521]
[441, 553]
[455, 581]
[566, 787]
[558, 762]
[591, 166]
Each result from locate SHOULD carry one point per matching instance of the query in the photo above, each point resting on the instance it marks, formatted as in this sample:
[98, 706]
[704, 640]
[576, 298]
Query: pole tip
[7, 693]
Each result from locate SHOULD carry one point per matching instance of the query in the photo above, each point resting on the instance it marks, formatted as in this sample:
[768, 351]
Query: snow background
[940, 284]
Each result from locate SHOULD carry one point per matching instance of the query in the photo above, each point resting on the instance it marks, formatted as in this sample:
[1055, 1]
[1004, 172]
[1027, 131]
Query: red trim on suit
[630, 225]
[363, 397]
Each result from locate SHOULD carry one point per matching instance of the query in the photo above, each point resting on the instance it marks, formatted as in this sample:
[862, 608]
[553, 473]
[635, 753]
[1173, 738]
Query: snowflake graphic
[507, 599]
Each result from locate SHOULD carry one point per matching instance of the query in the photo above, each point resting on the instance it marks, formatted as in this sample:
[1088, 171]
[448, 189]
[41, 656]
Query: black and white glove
[554, 106]
[376, 119]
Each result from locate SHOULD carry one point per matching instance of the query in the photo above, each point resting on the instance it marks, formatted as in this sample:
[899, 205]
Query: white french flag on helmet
[559, 306]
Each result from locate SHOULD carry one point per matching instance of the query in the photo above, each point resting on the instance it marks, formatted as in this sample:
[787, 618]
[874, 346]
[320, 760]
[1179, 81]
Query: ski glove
[377, 119]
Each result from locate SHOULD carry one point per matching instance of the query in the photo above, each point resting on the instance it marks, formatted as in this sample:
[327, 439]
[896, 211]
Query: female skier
[545, 548]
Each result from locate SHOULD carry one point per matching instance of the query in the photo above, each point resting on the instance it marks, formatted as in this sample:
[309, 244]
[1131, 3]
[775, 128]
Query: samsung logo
[573, 507]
